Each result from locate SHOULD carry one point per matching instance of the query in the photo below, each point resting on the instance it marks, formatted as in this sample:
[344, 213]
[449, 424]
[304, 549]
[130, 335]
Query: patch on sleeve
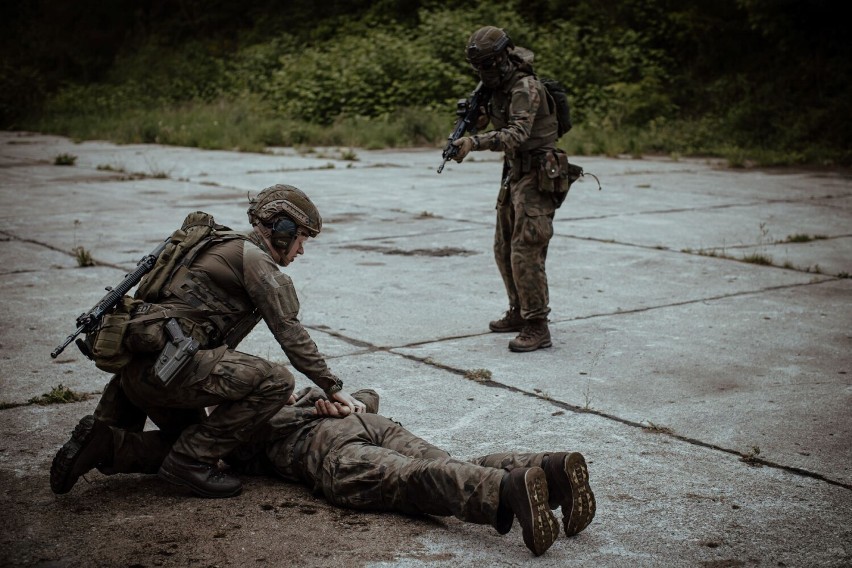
[283, 294]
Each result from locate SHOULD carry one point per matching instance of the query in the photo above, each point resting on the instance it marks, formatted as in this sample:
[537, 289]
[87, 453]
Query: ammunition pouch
[521, 165]
[556, 174]
[106, 343]
[146, 333]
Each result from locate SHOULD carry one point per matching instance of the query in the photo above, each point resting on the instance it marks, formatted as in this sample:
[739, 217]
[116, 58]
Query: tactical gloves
[465, 145]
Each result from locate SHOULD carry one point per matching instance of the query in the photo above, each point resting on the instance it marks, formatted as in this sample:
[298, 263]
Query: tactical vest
[545, 126]
[204, 310]
[226, 319]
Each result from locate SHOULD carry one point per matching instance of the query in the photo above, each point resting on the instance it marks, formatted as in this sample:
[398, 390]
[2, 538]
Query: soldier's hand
[346, 399]
[465, 145]
[329, 409]
[483, 119]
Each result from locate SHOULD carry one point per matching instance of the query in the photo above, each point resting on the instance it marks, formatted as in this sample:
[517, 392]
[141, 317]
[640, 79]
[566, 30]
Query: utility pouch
[557, 175]
[106, 344]
[144, 334]
[549, 173]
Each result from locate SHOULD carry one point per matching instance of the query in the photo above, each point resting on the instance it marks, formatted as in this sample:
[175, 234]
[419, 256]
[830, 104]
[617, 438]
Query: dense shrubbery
[649, 76]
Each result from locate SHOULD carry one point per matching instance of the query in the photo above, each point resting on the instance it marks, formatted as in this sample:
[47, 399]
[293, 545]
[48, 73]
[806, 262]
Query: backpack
[559, 94]
[197, 227]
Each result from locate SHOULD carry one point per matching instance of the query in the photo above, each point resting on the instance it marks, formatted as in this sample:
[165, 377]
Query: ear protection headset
[284, 231]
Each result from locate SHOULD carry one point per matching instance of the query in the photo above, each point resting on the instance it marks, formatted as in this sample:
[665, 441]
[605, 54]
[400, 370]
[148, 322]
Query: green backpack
[124, 331]
[197, 227]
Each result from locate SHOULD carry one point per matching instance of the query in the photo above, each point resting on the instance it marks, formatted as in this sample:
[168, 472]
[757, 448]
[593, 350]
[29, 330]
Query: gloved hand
[465, 145]
[483, 119]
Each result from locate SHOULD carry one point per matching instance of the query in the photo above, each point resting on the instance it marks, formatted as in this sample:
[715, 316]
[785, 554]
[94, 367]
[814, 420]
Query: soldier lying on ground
[368, 462]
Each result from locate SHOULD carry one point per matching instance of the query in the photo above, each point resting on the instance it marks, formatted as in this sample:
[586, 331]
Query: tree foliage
[769, 74]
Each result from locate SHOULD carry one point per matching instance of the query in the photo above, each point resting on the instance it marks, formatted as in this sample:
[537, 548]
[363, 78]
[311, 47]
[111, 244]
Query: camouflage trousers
[523, 233]
[369, 462]
[246, 391]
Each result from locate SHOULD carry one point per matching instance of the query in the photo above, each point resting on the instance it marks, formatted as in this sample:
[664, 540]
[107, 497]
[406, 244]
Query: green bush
[654, 76]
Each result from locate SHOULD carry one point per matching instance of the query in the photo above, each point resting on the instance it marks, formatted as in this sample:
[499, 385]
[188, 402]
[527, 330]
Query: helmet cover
[285, 200]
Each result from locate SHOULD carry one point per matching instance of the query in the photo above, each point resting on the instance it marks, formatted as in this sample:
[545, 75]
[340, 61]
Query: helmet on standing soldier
[485, 44]
[487, 52]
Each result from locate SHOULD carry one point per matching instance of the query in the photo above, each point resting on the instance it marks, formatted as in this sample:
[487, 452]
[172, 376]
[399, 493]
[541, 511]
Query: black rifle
[468, 112]
[88, 322]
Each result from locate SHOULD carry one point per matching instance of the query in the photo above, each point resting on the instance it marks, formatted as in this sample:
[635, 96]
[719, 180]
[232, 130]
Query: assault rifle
[468, 112]
[88, 322]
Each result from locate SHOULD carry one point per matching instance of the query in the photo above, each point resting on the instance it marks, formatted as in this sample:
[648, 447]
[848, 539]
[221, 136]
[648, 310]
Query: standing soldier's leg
[512, 320]
[567, 481]
[530, 238]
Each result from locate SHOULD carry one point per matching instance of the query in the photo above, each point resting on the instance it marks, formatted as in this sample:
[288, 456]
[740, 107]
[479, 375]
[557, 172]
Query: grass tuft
[65, 160]
[59, 394]
[758, 258]
[478, 375]
[83, 257]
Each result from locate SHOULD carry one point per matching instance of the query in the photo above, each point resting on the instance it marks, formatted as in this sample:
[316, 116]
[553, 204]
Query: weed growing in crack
[59, 394]
[83, 257]
[478, 375]
[656, 428]
[751, 457]
[758, 258]
[65, 160]
[803, 238]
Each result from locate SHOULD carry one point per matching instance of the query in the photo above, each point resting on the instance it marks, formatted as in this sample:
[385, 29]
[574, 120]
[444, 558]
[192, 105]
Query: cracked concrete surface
[710, 395]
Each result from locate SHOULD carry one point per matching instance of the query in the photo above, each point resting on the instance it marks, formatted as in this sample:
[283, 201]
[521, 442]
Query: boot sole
[545, 529]
[63, 461]
[582, 504]
[176, 480]
[544, 345]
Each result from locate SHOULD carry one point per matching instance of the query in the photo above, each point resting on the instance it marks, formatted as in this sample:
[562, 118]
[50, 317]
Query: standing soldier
[214, 291]
[525, 129]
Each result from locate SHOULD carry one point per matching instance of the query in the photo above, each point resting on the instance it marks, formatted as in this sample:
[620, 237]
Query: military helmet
[485, 44]
[285, 200]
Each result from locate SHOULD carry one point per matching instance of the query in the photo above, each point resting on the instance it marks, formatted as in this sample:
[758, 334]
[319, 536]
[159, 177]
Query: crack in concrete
[371, 348]
[745, 457]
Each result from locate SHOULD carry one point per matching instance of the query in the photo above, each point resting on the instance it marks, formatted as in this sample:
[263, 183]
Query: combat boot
[511, 321]
[202, 478]
[534, 335]
[90, 446]
[568, 484]
[524, 492]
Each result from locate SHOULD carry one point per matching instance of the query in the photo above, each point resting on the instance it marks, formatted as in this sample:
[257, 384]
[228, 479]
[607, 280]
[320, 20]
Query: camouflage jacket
[233, 285]
[523, 117]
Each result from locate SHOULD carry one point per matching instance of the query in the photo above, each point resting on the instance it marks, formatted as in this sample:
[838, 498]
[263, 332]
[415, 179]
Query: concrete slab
[669, 369]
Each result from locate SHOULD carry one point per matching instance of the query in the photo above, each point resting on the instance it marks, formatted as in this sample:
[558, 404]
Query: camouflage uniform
[525, 130]
[369, 462]
[229, 287]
